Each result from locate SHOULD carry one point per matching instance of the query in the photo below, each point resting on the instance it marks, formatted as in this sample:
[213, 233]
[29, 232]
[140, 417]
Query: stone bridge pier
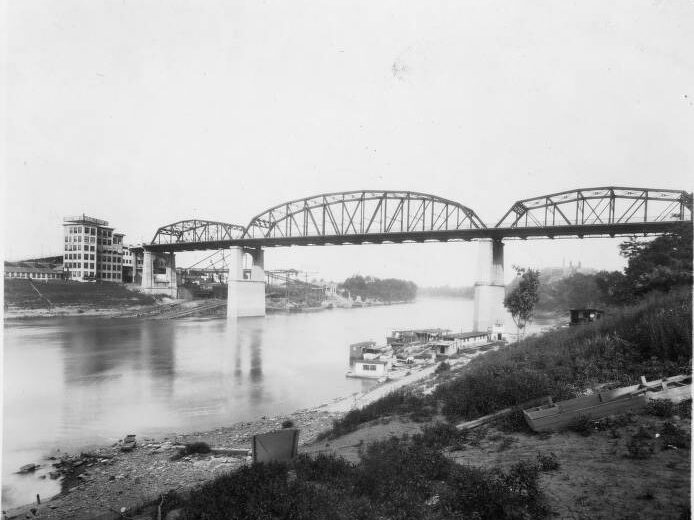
[159, 274]
[489, 312]
[246, 287]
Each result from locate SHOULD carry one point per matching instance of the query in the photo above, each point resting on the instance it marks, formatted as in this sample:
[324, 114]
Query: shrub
[581, 425]
[548, 462]
[399, 402]
[641, 445]
[288, 424]
[660, 408]
[442, 367]
[684, 409]
[672, 436]
[440, 435]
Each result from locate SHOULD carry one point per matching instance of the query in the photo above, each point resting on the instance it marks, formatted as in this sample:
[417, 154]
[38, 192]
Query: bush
[442, 367]
[660, 408]
[548, 462]
[672, 436]
[684, 409]
[399, 402]
[641, 445]
[288, 424]
[440, 435]
[581, 425]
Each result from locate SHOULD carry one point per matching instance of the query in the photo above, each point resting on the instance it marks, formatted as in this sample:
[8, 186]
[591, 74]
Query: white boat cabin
[372, 368]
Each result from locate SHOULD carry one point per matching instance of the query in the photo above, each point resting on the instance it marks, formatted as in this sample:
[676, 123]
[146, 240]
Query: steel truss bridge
[378, 217]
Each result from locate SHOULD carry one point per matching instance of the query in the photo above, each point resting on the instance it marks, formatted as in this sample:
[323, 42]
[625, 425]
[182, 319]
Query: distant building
[36, 269]
[93, 251]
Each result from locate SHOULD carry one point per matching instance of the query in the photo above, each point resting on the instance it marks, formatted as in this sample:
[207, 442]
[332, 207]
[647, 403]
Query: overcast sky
[151, 111]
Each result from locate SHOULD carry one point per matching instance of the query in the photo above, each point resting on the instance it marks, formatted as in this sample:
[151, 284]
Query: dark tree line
[660, 265]
[388, 290]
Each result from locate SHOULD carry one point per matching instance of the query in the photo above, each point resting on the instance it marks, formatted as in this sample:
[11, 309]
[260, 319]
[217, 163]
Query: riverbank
[99, 482]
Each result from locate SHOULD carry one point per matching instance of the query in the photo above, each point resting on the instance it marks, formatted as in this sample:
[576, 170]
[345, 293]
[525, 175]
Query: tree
[521, 301]
[660, 264]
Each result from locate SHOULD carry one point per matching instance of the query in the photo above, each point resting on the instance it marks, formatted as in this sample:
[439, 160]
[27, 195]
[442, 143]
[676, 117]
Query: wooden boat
[555, 416]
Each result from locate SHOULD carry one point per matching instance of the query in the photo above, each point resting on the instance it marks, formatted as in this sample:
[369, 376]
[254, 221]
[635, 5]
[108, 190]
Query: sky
[148, 112]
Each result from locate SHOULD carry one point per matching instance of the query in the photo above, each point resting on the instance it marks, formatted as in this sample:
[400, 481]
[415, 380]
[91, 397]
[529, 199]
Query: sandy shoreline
[107, 479]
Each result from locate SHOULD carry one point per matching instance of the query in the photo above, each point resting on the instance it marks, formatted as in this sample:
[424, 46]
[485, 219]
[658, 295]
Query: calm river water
[74, 382]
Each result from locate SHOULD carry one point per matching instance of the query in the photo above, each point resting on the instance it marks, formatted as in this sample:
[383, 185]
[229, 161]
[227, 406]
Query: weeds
[684, 409]
[548, 462]
[672, 436]
[660, 408]
[442, 367]
[641, 445]
[399, 402]
[440, 435]
[581, 425]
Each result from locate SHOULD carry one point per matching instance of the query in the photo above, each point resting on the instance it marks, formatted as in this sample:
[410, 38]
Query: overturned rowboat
[555, 416]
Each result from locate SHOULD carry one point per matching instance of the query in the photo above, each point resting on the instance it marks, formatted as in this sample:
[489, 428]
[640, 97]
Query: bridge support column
[159, 274]
[246, 287]
[489, 311]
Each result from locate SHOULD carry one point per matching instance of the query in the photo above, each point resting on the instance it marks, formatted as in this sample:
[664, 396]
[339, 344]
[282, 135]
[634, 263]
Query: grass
[399, 402]
[20, 294]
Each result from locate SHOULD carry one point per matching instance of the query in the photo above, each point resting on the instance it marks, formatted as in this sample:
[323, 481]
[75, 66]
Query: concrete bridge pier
[246, 287]
[159, 274]
[489, 311]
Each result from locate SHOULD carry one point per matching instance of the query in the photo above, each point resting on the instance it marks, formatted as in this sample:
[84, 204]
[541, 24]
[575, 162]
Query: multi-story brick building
[93, 251]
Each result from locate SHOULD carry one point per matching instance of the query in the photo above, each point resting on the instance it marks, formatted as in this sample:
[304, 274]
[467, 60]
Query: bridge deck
[565, 231]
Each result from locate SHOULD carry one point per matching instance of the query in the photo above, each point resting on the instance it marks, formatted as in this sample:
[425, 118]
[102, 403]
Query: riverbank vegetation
[372, 288]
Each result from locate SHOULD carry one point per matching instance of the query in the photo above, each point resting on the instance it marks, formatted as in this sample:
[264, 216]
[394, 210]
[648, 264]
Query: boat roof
[420, 331]
[462, 335]
[363, 344]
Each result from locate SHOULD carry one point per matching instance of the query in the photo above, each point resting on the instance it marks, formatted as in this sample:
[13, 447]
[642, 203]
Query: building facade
[93, 251]
[132, 264]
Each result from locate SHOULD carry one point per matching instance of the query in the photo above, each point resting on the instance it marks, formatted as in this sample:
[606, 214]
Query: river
[71, 383]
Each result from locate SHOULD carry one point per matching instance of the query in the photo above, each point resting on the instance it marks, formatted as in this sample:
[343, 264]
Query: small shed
[580, 316]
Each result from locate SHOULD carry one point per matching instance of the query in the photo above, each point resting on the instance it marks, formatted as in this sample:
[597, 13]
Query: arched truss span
[197, 231]
[596, 206]
[362, 213]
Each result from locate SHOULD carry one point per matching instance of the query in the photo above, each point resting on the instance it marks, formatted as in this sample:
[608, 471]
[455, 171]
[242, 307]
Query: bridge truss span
[195, 232]
[589, 209]
[361, 215]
